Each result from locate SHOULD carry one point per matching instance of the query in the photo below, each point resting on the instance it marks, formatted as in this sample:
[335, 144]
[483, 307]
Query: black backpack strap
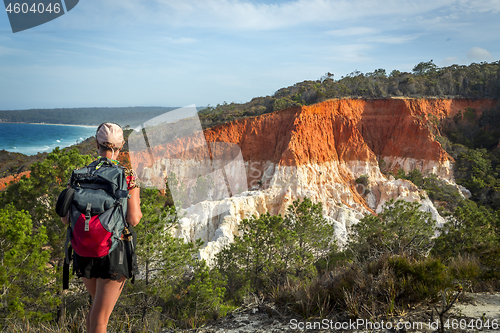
[68, 256]
[123, 214]
[128, 240]
[66, 269]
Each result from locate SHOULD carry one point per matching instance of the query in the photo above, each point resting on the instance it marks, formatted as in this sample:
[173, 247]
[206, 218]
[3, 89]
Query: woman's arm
[134, 213]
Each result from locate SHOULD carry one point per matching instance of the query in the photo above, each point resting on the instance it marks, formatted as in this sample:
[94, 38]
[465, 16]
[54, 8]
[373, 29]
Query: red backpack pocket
[95, 242]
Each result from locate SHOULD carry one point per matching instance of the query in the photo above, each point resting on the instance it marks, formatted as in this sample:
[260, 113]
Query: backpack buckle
[88, 216]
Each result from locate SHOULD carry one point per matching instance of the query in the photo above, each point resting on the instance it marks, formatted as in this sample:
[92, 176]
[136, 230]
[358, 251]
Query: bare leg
[106, 294]
[90, 284]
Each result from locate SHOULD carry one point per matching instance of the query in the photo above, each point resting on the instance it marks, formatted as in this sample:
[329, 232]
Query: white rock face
[464, 192]
[276, 187]
[400, 189]
[442, 170]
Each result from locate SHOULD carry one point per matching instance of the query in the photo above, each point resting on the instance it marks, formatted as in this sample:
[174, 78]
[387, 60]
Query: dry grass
[384, 288]
[76, 324]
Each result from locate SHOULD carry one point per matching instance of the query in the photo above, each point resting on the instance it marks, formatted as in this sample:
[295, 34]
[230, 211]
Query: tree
[256, 259]
[401, 229]
[37, 196]
[163, 258]
[313, 233]
[395, 73]
[474, 170]
[471, 230]
[424, 68]
[200, 298]
[327, 76]
[273, 249]
[177, 286]
[25, 280]
[378, 73]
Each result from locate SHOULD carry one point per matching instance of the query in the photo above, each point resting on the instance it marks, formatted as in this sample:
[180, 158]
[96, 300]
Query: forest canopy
[426, 80]
[84, 116]
[393, 262]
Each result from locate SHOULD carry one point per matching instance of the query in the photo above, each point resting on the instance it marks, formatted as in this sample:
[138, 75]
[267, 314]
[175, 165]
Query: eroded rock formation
[319, 151]
[6, 181]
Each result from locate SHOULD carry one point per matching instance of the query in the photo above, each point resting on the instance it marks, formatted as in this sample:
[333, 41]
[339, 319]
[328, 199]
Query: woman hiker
[104, 278]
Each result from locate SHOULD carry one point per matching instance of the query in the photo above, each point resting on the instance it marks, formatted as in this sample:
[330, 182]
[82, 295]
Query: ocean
[31, 139]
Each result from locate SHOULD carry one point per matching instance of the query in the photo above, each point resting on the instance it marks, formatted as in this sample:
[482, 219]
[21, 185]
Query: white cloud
[448, 61]
[245, 15]
[181, 40]
[103, 45]
[248, 16]
[479, 54]
[449, 20]
[394, 39]
[353, 31]
[350, 53]
[480, 6]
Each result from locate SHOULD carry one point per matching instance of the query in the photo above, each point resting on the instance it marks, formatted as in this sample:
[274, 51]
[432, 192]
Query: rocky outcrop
[4, 182]
[317, 151]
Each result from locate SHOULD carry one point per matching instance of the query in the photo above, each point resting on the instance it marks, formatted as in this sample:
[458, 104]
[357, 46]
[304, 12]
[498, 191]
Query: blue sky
[178, 53]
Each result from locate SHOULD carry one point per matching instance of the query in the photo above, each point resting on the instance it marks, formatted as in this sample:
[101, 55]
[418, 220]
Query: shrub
[313, 234]
[465, 269]
[163, 259]
[26, 282]
[402, 228]
[380, 287]
[363, 179]
[417, 280]
[256, 259]
[363, 183]
[471, 230]
[199, 298]
[437, 189]
[273, 249]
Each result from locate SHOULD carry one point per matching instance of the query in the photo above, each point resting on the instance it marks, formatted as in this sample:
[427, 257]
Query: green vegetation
[35, 236]
[393, 261]
[273, 250]
[383, 270]
[15, 163]
[472, 140]
[23, 275]
[472, 232]
[83, 116]
[401, 229]
[292, 261]
[426, 80]
[177, 289]
[439, 191]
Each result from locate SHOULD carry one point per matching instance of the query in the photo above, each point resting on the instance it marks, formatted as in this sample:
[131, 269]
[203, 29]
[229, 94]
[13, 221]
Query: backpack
[97, 213]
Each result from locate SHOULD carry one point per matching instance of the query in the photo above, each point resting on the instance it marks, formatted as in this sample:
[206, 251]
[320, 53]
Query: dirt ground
[473, 312]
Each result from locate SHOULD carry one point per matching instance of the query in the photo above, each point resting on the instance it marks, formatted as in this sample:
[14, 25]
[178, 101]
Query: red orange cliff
[319, 151]
[344, 130]
[395, 130]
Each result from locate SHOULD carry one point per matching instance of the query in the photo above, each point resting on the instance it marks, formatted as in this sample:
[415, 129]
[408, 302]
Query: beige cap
[110, 135]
